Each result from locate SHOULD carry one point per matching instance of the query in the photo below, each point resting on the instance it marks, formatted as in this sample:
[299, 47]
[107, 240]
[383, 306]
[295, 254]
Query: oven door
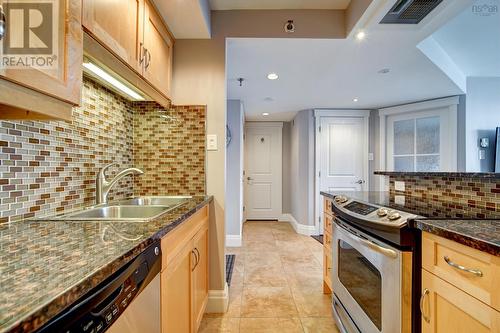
[366, 281]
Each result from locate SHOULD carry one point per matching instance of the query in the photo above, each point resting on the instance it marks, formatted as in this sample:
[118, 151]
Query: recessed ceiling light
[265, 114]
[384, 71]
[269, 99]
[272, 76]
[360, 35]
[355, 99]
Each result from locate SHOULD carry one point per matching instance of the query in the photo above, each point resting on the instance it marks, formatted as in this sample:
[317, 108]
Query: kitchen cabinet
[119, 25]
[158, 51]
[141, 41]
[184, 276]
[327, 246]
[48, 93]
[459, 287]
[445, 308]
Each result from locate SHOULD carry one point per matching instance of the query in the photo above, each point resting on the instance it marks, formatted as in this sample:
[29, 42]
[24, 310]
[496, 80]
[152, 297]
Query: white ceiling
[472, 40]
[279, 4]
[331, 73]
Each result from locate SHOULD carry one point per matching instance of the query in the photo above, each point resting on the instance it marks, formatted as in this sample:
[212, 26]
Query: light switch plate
[399, 200]
[370, 157]
[399, 186]
[212, 142]
[482, 154]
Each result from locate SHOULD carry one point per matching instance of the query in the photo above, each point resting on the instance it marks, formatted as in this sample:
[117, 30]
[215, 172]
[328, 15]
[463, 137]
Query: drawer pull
[476, 272]
[425, 293]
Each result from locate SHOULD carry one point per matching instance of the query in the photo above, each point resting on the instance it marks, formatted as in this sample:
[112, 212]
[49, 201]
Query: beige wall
[199, 78]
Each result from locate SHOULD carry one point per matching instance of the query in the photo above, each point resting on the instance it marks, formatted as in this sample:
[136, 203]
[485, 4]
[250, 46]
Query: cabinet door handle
[422, 298]
[141, 53]
[148, 60]
[476, 272]
[195, 260]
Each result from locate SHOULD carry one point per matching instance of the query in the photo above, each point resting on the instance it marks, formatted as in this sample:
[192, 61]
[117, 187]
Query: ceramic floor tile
[265, 277]
[270, 325]
[311, 302]
[267, 302]
[219, 325]
[319, 325]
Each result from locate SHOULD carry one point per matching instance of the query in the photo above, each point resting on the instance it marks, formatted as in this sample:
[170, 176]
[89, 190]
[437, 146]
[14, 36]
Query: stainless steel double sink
[140, 209]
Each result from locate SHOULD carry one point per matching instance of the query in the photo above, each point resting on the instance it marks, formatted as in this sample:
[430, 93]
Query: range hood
[409, 11]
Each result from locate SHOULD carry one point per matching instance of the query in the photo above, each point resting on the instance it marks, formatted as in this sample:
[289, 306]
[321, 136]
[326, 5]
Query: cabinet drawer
[327, 242]
[327, 206]
[328, 226]
[327, 269]
[472, 271]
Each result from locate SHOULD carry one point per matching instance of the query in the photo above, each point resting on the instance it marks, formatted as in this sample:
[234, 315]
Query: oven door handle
[380, 249]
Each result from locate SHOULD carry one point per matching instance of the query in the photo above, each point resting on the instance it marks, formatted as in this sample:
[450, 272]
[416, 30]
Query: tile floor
[276, 285]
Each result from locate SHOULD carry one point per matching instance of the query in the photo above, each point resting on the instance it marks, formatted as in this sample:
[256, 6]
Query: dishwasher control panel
[101, 307]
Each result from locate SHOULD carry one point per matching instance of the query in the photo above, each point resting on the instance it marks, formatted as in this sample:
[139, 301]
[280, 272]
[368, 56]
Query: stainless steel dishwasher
[126, 302]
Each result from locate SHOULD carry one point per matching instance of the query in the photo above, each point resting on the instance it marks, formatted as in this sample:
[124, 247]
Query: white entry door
[263, 171]
[343, 155]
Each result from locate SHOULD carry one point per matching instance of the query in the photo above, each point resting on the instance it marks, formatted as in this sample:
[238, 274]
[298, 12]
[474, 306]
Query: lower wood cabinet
[327, 248]
[184, 276]
[445, 308]
[459, 288]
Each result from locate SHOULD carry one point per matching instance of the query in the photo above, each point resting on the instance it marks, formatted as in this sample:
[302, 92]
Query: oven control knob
[382, 212]
[394, 216]
[340, 199]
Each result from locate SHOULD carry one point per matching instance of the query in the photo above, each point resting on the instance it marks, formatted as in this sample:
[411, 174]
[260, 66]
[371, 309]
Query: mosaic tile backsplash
[169, 145]
[454, 197]
[50, 167]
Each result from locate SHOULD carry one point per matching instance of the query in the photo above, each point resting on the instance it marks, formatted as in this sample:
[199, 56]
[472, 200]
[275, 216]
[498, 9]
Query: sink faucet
[103, 186]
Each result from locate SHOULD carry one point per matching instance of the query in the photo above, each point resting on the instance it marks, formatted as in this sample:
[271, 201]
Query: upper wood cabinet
[158, 51]
[119, 25]
[19, 87]
[134, 32]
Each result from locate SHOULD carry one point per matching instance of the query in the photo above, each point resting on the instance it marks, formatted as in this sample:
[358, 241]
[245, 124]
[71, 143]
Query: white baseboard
[307, 230]
[218, 300]
[233, 240]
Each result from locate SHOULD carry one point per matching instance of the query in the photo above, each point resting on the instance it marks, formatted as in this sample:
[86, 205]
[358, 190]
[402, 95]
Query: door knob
[249, 178]
[361, 181]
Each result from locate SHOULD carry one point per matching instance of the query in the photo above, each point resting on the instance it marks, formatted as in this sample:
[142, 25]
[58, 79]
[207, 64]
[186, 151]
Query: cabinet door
[65, 79]
[176, 293]
[200, 277]
[158, 58]
[118, 25]
[446, 308]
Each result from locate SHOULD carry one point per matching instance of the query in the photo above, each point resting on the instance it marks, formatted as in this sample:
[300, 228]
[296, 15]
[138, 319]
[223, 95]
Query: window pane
[428, 163]
[404, 137]
[428, 135]
[404, 163]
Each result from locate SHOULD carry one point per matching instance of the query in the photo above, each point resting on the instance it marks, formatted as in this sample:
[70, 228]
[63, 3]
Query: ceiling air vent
[409, 11]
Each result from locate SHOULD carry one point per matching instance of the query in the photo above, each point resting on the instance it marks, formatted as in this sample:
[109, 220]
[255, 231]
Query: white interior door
[342, 148]
[263, 158]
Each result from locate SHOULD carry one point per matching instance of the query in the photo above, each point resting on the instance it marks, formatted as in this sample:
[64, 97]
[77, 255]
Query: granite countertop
[441, 174]
[47, 265]
[483, 235]
[436, 218]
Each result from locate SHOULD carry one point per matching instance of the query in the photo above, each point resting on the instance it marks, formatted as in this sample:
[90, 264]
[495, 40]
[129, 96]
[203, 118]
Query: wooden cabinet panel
[176, 293]
[327, 206]
[159, 46]
[64, 82]
[327, 273]
[200, 277]
[446, 308]
[328, 223]
[117, 24]
[484, 286]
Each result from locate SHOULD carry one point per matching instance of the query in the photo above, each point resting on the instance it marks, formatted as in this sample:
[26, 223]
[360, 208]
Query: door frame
[336, 113]
[260, 124]
[449, 103]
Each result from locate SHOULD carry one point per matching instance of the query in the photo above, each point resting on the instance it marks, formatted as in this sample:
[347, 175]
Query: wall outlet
[399, 200]
[370, 157]
[399, 186]
[482, 154]
[212, 142]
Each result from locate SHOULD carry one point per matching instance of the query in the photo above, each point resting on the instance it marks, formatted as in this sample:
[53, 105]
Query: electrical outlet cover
[399, 186]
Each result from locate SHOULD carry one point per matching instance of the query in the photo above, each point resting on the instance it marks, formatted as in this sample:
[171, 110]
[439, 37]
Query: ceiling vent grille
[409, 11]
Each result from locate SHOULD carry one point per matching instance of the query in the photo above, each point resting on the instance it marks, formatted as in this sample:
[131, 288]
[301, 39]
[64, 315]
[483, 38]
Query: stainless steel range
[375, 277]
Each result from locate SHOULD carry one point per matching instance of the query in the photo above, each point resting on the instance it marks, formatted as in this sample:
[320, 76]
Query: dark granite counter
[483, 235]
[438, 218]
[47, 265]
[441, 174]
